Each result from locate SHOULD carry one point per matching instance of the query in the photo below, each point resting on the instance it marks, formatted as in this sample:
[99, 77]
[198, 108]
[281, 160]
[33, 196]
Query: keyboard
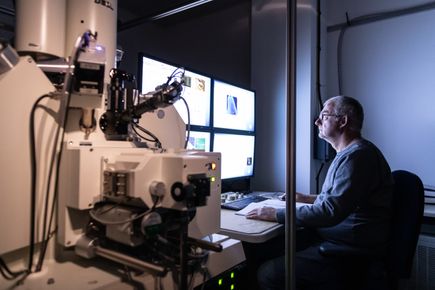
[241, 203]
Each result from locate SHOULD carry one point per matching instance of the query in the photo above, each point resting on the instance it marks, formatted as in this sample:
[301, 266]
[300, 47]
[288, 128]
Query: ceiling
[135, 12]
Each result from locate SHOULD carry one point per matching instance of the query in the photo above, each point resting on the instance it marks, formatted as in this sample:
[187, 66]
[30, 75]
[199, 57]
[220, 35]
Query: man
[353, 209]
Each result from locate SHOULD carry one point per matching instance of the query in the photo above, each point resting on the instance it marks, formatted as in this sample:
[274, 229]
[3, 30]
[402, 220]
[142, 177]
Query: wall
[389, 65]
[269, 79]
[306, 94]
[217, 43]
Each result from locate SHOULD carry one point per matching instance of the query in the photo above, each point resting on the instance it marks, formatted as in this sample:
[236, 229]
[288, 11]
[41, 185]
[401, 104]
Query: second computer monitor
[237, 153]
[233, 107]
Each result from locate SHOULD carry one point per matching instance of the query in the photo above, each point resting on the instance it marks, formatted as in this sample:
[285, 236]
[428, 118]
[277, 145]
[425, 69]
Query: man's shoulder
[364, 147]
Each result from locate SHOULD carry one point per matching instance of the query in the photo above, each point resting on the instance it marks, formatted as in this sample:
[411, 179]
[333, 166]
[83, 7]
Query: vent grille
[423, 272]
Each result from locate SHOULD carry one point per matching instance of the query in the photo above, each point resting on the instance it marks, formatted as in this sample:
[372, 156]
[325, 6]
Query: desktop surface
[248, 230]
[239, 227]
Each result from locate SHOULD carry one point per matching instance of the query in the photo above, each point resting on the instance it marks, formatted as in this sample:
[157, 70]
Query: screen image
[196, 89]
[199, 141]
[237, 153]
[233, 107]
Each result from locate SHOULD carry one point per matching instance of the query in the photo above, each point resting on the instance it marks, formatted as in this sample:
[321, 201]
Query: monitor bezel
[236, 133]
[213, 110]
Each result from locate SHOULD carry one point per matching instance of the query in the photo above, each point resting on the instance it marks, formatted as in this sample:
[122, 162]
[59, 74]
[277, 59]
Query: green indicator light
[220, 282]
[232, 286]
[232, 275]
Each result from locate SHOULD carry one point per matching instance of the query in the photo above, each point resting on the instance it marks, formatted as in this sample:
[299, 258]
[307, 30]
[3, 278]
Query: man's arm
[278, 215]
[305, 198]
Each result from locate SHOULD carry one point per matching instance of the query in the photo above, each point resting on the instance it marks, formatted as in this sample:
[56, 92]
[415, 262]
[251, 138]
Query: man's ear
[344, 121]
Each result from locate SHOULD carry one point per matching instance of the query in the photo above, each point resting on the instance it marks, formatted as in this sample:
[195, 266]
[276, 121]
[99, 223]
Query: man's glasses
[324, 116]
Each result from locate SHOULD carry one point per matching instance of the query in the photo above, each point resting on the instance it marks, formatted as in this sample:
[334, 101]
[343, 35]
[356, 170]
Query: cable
[56, 188]
[365, 19]
[188, 122]
[133, 125]
[7, 273]
[46, 232]
[155, 139]
[174, 73]
[317, 177]
[141, 136]
[319, 38]
[33, 180]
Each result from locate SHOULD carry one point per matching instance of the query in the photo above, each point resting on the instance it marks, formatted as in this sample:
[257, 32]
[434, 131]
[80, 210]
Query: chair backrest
[408, 208]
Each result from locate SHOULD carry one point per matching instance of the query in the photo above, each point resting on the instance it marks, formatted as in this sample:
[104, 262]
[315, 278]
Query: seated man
[353, 208]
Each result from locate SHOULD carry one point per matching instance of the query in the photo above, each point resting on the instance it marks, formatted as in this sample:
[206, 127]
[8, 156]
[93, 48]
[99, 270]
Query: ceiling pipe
[141, 20]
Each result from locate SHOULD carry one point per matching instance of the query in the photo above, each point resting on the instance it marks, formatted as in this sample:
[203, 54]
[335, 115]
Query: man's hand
[263, 213]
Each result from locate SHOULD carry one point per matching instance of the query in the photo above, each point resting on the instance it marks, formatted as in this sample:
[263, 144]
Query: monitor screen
[233, 107]
[196, 89]
[199, 141]
[237, 153]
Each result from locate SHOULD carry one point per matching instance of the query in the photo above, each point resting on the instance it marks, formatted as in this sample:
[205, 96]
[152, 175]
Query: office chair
[408, 208]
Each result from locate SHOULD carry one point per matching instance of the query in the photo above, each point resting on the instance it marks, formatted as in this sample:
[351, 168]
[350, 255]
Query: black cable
[7, 273]
[45, 232]
[319, 48]
[174, 73]
[33, 180]
[56, 184]
[319, 91]
[317, 177]
[339, 60]
[140, 135]
[188, 122]
[155, 139]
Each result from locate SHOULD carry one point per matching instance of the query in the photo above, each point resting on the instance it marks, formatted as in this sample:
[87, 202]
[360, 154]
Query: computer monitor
[196, 89]
[233, 107]
[237, 159]
[199, 140]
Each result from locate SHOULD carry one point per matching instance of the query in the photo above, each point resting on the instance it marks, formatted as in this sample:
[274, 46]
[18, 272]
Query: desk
[248, 230]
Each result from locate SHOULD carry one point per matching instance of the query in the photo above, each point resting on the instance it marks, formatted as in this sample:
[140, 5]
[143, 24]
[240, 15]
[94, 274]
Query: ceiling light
[180, 9]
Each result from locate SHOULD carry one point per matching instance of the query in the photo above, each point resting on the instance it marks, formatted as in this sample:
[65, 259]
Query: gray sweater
[354, 207]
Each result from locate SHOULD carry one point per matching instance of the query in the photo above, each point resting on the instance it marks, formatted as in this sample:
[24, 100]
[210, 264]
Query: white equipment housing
[128, 178]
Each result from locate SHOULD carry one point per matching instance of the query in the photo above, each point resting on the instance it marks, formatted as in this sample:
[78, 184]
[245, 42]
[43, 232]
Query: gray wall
[306, 94]
[269, 79]
[389, 66]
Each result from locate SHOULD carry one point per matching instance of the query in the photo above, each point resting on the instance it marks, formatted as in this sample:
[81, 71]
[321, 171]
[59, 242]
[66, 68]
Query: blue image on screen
[231, 105]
